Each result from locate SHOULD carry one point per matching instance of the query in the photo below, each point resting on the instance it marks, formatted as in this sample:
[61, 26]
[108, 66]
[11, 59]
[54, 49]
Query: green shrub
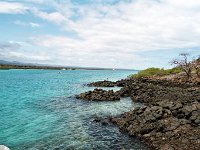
[155, 72]
[174, 70]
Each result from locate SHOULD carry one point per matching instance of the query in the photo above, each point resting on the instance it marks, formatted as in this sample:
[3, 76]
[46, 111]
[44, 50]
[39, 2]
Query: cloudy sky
[99, 33]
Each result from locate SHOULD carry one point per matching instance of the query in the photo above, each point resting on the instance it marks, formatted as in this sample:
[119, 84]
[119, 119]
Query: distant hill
[4, 62]
[20, 65]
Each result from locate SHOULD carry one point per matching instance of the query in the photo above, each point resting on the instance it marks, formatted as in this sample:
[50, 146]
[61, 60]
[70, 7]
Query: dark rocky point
[105, 83]
[170, 119]
[158, 126]
[99, 95]
[102, 84]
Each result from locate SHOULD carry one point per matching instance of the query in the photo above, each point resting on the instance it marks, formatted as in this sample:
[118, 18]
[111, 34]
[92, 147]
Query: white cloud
[116, 33]
[183, 3]
[31, 24]
[141, 25]
[53, 17]
[12, 8]
[6, 46]
[22, 56]
[14, 50]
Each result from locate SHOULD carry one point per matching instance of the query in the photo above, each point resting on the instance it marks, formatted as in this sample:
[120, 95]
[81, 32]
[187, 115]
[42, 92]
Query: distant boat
[113, 69]
[63, 69]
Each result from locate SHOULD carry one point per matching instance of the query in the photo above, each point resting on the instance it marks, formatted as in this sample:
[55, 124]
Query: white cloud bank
[27, 24]
[12, 51]
[12, 8]
[117, 33]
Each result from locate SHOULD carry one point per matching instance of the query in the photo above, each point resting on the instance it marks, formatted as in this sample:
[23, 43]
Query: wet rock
[98, 119]
[124, 92]
[140, 110]
[123, 82]
[105, 122]
[102, 84]
[159, 128]
[170, 118]
[99, 95]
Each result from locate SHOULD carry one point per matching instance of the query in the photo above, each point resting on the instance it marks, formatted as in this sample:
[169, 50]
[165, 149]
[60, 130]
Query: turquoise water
[39, 112]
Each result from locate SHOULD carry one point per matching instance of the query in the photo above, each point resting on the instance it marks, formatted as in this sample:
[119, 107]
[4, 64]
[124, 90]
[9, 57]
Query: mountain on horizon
[4, 62]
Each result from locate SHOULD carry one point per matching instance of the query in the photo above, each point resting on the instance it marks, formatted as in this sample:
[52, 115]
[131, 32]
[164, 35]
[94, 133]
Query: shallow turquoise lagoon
[39, 112]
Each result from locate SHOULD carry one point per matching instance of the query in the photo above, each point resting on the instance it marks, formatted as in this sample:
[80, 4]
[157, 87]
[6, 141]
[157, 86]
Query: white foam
[2, 147]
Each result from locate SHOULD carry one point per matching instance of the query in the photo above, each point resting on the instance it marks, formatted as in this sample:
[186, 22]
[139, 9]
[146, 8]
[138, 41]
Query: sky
[133, 34]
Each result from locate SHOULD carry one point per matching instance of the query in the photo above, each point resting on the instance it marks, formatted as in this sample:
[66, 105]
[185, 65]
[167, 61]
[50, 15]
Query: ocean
[39, 111]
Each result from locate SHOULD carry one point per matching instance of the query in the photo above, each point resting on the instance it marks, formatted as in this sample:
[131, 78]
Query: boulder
[153, 113]
[104, 83]
[195, 117]
[124, 92]
[99, 95]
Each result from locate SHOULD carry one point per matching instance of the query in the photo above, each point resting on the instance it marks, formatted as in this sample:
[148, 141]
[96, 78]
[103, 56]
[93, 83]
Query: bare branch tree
[196, 66]
[184, 64]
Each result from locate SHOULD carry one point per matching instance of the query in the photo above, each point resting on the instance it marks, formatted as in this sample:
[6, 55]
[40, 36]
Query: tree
[183, 63]
[196, 66]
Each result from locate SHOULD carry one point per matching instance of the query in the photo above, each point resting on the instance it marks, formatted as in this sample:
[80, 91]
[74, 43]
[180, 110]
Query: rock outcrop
[150, 91]
[165, 125]
[102, 84]
[105, 83]
[99, 95]
[170, 119]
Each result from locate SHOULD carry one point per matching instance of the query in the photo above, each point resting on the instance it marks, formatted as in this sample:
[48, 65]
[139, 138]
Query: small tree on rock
[183, 63]
[196, 66]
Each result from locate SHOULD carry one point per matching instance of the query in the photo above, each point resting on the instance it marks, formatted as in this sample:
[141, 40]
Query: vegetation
[187, 66]
[196, 66]
[182, 64]
[156, 72]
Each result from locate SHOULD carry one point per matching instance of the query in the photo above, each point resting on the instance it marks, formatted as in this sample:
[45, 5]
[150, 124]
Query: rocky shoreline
[169, 120]
[99, 95]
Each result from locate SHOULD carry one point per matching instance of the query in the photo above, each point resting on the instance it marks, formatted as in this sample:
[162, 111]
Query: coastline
[170, 118]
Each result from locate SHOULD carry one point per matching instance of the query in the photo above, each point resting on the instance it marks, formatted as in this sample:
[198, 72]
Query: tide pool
[39, 112]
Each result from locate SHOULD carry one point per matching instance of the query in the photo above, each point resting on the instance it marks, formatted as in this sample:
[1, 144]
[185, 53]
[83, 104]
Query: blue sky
[99, 33]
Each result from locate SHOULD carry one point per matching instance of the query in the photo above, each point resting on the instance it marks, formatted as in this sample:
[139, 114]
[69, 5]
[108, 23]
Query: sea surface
[38, 111]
